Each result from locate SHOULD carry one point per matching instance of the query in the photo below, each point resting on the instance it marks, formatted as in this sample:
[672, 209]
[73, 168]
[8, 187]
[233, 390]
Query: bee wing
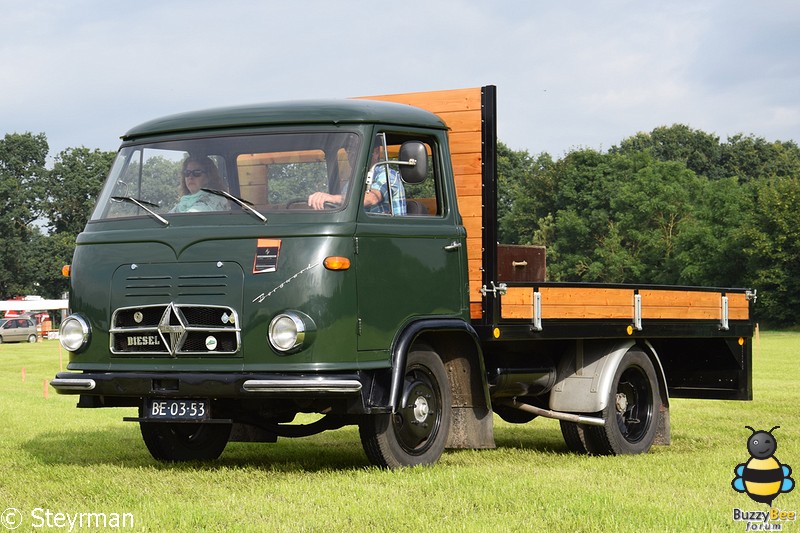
[738, 484]
[787, 484]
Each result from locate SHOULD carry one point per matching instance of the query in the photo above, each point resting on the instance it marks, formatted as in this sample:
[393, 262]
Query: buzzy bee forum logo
[763, 478]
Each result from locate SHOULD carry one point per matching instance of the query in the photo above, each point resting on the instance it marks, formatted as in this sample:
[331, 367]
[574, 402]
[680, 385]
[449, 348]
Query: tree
[73, 185]
[652, 208]
[773, 251]
[22, 174]
[698, 151]
[749, 158]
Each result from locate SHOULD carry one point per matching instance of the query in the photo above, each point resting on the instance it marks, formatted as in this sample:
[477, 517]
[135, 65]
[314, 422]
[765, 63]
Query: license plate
[177, 409]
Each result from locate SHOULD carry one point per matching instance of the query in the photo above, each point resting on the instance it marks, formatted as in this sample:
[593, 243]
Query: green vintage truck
[247, 264]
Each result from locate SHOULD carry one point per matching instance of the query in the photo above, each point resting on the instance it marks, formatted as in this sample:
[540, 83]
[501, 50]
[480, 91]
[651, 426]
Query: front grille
[175, 329]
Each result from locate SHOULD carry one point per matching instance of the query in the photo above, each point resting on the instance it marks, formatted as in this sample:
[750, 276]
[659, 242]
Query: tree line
[674, 206]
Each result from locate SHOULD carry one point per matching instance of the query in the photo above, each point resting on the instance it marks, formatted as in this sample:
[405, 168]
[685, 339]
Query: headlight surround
[291, 331]
[74, 333]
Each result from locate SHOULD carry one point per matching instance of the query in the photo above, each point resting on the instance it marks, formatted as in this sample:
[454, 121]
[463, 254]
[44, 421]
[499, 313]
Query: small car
[17, 330]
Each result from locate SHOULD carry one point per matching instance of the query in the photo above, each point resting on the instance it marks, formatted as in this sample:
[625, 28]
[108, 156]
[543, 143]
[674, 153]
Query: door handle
[452, 246]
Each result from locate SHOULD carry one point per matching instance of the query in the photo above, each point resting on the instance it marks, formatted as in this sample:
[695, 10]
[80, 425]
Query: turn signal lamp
[336, 263]
[66, 270]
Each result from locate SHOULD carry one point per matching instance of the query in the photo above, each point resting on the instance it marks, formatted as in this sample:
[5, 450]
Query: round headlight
[74, 333]
[288, 331]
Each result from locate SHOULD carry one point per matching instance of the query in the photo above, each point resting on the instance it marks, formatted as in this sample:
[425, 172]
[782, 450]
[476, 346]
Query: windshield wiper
[142, 204]
[244, 204]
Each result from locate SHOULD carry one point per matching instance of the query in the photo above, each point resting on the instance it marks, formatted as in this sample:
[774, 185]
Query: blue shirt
[398, 192]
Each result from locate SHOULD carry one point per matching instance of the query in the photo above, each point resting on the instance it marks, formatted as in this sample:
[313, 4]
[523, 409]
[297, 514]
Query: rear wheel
[168, 441]
[632, 409]
[417, 433]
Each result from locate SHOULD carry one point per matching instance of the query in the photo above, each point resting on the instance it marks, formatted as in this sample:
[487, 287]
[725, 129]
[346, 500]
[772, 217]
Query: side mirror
[413, 162]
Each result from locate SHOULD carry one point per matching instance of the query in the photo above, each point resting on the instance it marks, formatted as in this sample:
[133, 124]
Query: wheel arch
[457, 344]
[660, 374]
[575, 393]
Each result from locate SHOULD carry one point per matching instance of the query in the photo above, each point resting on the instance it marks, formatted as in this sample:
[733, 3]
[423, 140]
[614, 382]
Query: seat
[416, 208]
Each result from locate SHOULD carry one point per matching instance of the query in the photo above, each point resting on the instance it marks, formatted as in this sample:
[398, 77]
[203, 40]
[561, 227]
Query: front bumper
[212, 385]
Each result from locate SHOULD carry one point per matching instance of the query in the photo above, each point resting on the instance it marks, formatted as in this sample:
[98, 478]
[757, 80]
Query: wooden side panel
[612, 303]
[738, 307]
[558, 302]
[517, 302]
[569, 303]
[461, 110]
[681, 304]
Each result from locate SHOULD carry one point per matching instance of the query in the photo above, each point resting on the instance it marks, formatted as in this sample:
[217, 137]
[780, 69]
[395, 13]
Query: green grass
[56, 457]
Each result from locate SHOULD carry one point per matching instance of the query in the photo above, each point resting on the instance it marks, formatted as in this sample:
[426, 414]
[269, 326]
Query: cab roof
[331, 112]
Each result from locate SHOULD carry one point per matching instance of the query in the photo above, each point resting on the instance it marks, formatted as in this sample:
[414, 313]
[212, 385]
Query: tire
[178, 442]
[32, 338]
[417, 433]
[631, 414]
[574, 436]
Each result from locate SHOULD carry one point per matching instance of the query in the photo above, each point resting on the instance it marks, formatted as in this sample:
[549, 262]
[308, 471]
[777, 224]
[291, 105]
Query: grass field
[56, 458]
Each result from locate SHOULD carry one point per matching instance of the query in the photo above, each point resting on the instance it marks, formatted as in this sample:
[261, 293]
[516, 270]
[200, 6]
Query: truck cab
[246, 264]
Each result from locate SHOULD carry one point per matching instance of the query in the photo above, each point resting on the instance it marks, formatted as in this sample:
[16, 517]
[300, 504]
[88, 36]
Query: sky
[569, 74]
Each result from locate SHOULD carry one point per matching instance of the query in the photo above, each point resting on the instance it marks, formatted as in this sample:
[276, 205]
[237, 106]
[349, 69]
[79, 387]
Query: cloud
[568, 74]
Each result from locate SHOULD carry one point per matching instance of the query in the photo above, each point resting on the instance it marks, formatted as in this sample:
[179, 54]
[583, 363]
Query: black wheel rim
[634, 404]
[419, 417]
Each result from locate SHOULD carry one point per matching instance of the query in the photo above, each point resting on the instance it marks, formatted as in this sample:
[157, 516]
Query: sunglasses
[194, 173]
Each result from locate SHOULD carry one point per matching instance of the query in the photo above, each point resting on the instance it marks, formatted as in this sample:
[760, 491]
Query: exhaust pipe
[547, 413]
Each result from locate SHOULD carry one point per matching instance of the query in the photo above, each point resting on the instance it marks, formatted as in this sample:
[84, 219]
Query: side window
[392, 196]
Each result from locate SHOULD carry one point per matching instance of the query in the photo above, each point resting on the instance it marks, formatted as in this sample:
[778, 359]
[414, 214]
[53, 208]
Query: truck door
[409, 260]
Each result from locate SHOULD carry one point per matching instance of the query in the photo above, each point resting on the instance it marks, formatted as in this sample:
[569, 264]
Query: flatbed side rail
[538, 303]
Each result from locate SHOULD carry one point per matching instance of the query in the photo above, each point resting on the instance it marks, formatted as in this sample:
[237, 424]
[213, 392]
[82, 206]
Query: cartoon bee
[762, 477]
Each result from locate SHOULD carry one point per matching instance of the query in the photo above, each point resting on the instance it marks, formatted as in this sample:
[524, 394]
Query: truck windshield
[271, 173]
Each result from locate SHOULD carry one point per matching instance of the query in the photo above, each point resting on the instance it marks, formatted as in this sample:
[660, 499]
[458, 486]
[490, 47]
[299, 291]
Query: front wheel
[632, 411]
[32, 338]
[190, 441]
[417, 432]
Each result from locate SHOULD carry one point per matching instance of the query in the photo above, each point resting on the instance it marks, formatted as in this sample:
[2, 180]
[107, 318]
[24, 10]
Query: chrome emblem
[138, 317]
[172, 328]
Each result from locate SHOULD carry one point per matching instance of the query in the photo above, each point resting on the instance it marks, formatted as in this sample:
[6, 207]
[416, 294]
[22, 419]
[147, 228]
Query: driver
[376, 199]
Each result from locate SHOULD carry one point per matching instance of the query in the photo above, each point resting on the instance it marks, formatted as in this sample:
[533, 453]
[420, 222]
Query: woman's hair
[214, 181]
